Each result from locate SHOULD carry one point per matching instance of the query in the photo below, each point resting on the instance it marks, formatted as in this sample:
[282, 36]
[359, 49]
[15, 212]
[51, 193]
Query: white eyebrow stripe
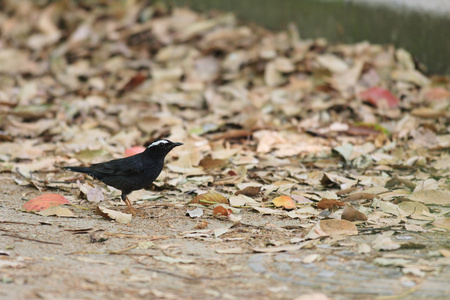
[157, 143]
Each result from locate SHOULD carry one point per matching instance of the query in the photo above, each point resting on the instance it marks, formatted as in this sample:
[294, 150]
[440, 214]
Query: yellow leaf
[284, 201]
[209, 198]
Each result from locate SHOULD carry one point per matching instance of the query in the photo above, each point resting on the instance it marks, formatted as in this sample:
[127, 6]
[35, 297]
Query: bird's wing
[123, 166]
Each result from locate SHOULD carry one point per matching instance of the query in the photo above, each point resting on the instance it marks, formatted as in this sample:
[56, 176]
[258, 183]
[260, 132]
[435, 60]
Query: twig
[122, 250]
[124, 235]
[187, 277]
[400, 296]
[29, 239]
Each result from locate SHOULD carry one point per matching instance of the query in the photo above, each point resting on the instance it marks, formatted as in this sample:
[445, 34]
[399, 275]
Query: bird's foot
[130, 208]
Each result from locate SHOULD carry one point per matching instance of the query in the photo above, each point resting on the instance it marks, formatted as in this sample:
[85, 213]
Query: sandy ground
[89, 257]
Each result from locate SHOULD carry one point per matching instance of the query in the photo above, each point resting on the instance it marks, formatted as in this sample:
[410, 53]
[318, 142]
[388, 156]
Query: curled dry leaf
[351, 214]
[117, 216]
[221, 211]
[284, 201]
[209, 198]
[44, 201]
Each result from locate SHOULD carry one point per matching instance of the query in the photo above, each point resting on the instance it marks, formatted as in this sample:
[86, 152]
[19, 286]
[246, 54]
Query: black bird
[131, 173]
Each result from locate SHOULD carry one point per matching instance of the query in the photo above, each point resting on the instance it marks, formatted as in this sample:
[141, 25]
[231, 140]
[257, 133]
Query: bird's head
[161, 147]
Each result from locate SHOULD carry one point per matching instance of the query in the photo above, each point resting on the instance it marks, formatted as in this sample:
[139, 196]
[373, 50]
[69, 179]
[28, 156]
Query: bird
[131, 173]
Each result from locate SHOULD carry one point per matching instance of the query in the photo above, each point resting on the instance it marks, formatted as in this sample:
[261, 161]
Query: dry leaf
[249, 191]
[44, 201]
[329, 203]
[338, 227]
[117, 216]
[221, 211]
[209, 198]
[276, 249]
[384, 242]
[351, 214]
[242, 200]
[56, 211]
[95, 195]
[195, 213]
[284, 201]
[133, 151]
[431, 197]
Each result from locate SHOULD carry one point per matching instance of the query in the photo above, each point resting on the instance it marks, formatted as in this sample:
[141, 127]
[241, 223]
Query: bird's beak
[177, 144]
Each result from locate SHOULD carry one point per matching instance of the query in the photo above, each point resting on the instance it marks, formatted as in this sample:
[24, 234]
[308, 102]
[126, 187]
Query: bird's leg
[127, 201]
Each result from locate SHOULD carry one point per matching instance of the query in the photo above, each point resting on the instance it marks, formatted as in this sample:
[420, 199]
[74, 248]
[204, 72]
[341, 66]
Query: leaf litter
[339, 140]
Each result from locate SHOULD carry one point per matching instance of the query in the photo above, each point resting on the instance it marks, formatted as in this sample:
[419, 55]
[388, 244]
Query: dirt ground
[89, 257]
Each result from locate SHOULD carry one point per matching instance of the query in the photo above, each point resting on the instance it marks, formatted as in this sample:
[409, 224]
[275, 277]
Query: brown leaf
[209, 198]
[221, 211]
[359, 196]
[329, 203]
[249, 191]
[351, 214]
[134, 82]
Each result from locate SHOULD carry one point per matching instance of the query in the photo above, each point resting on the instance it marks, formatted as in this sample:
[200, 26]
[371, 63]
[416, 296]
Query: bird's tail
[78, 169]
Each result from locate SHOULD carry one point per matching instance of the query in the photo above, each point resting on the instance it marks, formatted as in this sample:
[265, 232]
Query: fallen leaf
[173, 260]
[237, 250]
[312, 296]
[220, 231]
[209, 198]
[345, 151]
[95, 195]
[351, 214]
[221, 211]
[431, 197]
[310, 258]
[442, 223]
[415, 210]
[329, 203]
[378, 95]
[384, 242]
[202, 225]
[195, 213]
[338, 227]
[284, 201]
[276, 249]
[134, 150]
[44, 201]
[117, 216]
[134, 82]
[56, 211]
[242, 200]
[249, 191]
